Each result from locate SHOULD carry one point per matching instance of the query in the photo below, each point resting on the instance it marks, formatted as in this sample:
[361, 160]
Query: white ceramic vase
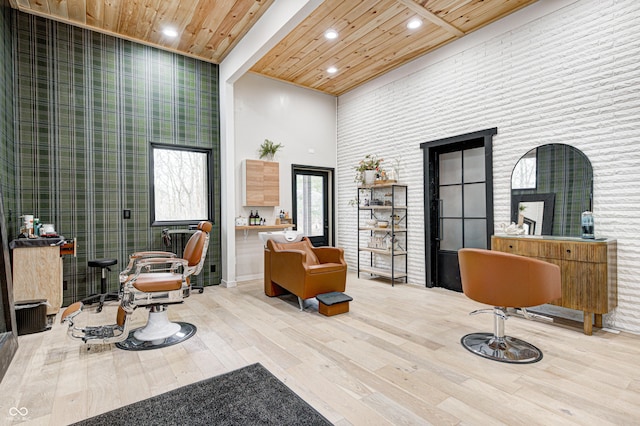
[369, 177]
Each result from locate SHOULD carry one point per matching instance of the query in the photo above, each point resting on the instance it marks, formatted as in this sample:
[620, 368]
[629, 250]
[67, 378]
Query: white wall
[276, 22]
[303, 120]
[555, 72]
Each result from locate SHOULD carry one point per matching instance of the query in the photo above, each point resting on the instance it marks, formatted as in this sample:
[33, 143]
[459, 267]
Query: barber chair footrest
[504, 349]
[100, 332]
[333, 303]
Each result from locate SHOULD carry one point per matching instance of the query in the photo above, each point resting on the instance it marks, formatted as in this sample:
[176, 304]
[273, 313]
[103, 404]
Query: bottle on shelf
[251, 218]
[36, 227]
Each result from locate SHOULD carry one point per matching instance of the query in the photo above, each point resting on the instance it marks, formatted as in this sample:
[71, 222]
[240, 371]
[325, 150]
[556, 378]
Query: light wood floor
[395, 358]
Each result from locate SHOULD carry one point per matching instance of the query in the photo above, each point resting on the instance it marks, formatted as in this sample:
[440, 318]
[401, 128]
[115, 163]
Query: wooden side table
[37, 273]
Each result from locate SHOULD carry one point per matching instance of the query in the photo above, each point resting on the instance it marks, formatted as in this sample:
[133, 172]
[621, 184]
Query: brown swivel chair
[155, 280]
[302, 269]
[505, 280]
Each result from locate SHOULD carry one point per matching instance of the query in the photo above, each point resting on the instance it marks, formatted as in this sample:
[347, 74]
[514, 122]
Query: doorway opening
[312, 199]
[458, 185]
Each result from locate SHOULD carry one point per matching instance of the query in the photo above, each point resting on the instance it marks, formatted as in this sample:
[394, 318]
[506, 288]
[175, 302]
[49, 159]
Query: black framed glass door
[458, 202]
[462, 215]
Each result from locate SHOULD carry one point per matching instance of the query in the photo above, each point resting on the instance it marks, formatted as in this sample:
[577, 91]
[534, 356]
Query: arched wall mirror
[551, 186]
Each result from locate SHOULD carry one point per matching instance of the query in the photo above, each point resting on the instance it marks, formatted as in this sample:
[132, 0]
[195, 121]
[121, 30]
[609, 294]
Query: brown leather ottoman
[333, 303]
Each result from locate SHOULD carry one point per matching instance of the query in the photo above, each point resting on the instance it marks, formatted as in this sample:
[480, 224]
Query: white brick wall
[572, 77]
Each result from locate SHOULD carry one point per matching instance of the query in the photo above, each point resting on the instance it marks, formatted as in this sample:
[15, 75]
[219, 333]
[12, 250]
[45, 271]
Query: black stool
[103, 264]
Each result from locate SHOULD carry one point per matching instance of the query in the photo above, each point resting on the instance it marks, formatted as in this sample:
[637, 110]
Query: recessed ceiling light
[332, 70]
[331, 34]
[414, 23]
[170, 32]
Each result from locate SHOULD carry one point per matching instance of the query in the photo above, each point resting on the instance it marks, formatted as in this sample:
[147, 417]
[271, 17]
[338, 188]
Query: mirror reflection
[551, 186]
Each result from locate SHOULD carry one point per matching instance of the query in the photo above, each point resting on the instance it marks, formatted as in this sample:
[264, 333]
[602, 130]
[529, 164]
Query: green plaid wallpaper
[7, 157]
[87, 107]
[7, 167]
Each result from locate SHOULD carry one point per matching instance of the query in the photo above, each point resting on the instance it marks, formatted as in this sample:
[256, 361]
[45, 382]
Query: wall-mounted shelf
[281, 226]
[247, 228]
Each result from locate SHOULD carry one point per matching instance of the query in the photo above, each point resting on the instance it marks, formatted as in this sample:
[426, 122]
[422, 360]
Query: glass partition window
[180, 185]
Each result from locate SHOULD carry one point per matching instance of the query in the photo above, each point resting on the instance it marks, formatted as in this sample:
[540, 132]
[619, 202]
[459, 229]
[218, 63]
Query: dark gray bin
[31, 316]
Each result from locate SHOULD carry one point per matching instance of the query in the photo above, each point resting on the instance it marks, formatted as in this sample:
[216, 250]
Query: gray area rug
[248, 396]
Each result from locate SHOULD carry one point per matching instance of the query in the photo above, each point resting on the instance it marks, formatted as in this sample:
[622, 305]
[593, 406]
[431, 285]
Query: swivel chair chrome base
[497, 346]
[159, 332]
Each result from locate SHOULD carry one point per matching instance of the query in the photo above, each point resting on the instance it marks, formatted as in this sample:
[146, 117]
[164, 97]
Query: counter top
[36, 242]
[556, 238]
[280, 226]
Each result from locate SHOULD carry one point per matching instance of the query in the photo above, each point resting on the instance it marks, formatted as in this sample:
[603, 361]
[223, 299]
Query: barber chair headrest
[205, 226]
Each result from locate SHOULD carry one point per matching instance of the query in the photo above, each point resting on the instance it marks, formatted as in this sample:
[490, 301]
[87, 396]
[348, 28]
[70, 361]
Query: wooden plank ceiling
[373, 37]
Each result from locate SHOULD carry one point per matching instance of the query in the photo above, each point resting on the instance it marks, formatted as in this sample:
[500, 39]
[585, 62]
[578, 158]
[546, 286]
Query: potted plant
[269, 148]
[368, 169]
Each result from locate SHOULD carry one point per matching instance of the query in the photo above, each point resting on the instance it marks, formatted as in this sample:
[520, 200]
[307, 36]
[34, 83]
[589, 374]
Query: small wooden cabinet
[588, 269]
[37, 274]
[260, 183]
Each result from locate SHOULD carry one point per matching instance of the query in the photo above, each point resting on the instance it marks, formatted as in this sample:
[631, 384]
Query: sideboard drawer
[585, 252]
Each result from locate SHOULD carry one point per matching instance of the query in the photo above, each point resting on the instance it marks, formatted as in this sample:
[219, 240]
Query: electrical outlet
[64, 284]
[213, 268]
[126, 214]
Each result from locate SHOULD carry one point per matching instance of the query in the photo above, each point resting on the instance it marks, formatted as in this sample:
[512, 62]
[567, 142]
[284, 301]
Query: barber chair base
[132, 344]
[158, 332]
[503, 349]
[158, 327]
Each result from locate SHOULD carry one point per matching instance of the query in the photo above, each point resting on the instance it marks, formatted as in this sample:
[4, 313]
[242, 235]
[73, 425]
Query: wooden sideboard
[588, 269]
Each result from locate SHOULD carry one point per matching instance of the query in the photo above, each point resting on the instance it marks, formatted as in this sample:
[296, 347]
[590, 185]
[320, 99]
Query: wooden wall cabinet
[260, 183]
[588, 269]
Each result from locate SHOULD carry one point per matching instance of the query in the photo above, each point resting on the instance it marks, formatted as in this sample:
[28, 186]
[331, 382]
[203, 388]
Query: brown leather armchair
[505, 280]
[303, 270]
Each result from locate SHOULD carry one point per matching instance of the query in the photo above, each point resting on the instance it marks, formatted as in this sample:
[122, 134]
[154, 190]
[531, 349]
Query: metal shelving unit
[385, 251]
